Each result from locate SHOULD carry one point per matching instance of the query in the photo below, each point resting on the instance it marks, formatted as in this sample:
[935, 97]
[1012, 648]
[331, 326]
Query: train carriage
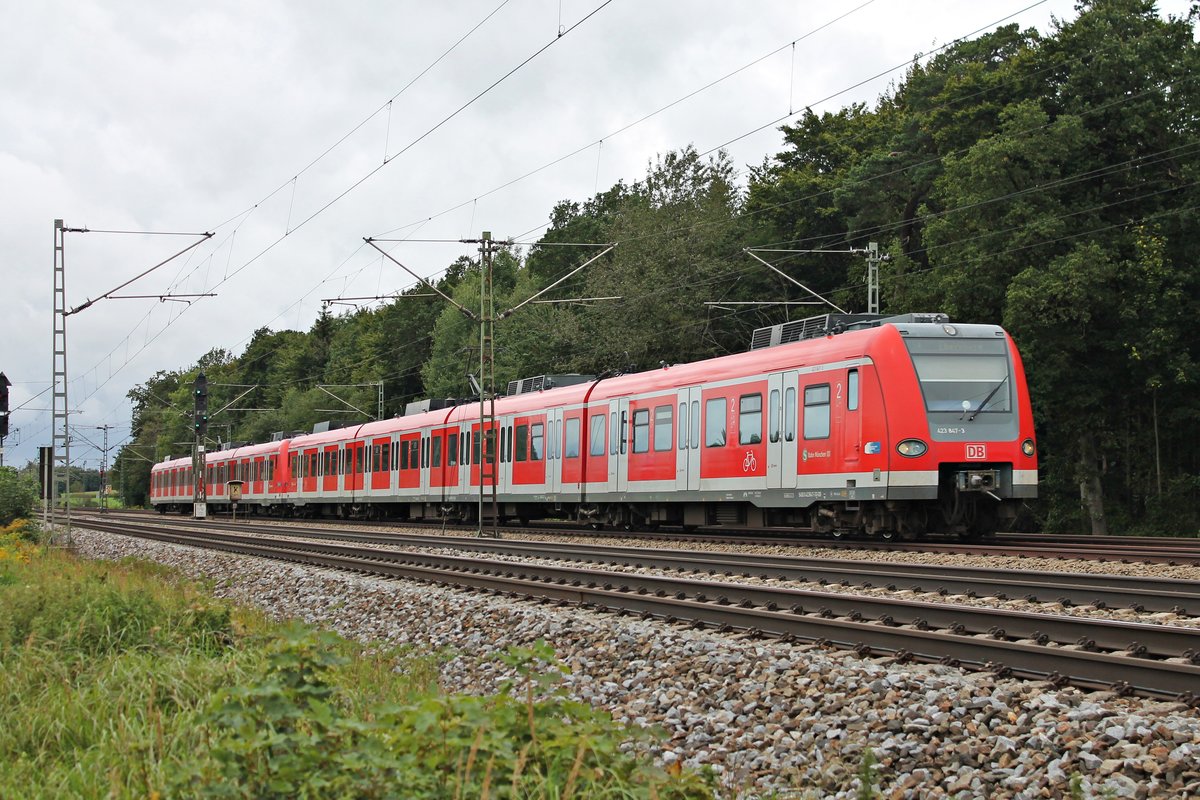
[888, 427]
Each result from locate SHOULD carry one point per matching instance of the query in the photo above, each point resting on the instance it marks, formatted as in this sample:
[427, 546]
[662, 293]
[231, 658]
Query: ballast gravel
[769, 717]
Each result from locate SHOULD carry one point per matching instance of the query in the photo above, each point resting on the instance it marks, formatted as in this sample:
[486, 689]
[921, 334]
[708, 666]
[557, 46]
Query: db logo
[977, 452]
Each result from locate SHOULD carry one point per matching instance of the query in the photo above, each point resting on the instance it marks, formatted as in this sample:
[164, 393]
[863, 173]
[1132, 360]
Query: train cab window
[537, 441]
[641, 430]
[571, 440]
[683, 426]
[613, 434]
[773, 416]
[437, 451]
[789, 415]
[452, 450]
[852, 390]
[662, 428]
[816, 411]
[750, 419]
[714, 422]
[694, 426]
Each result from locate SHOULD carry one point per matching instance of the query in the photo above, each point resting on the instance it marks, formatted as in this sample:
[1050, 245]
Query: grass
[125, 680]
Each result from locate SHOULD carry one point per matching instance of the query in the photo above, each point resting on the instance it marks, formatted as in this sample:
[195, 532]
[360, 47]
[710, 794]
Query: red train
[889, 427]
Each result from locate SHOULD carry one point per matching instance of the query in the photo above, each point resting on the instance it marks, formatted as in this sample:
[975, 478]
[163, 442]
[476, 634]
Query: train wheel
[596, 526]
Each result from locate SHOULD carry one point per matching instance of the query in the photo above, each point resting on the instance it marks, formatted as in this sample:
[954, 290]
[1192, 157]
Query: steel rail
[1164, 550]
[759, 610]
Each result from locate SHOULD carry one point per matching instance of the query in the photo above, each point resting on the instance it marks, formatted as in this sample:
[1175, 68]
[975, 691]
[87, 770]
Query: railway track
[1149, 659]
[1069, 589]
[1123, 549]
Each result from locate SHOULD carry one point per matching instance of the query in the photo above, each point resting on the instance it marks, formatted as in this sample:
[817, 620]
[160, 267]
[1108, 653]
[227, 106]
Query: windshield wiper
[986, 400]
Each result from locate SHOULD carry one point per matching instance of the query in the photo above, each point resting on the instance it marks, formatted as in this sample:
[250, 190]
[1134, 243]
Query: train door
[687, 439]
[554, 451]
[781, 430]
[848, 391]
[621, 429]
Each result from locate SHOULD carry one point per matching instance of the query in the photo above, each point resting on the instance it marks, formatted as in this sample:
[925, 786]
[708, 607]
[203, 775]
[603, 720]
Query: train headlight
[1027, 447]
[911, 448]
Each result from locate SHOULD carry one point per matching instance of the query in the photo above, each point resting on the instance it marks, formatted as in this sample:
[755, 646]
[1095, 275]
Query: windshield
[963, 375]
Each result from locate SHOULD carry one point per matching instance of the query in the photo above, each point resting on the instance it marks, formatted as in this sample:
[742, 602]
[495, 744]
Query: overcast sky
[221, 117]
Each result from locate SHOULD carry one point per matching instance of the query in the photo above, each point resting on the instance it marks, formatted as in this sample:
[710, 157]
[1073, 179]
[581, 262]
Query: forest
[1044, 182]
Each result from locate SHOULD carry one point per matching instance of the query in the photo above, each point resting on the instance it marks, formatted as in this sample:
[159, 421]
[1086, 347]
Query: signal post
[200, 425]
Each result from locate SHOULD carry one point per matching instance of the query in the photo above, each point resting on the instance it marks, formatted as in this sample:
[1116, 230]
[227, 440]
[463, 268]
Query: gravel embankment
[766, 715]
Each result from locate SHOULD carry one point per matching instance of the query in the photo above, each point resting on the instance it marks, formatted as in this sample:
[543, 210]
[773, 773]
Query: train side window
[466, 447]
[571, 440]
[683, 426]
[404, 455]
[714, 422]
[537, 441]
[364, 465]
[662, 428]
[522, 442]
[475, 447]
[694, 426]
[385, 457]
[852, 390]
[773, 418]
[489, 447]
[558, 441]
[816, 411]
[613, 434]
[750, 419]
[503, 443]
[424, 452]
[641, 430]
[597, 435]
[452, 450]
[789, 414]
[376, 457]
[624, 431]
[437, 451]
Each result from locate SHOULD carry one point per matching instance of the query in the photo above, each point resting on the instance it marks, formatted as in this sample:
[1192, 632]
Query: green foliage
[18, 495]
[867, 776]
[286, 735]
[121, 680]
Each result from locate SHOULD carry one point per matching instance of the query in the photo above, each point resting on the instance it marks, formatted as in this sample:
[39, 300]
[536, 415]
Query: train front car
[964, 456]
